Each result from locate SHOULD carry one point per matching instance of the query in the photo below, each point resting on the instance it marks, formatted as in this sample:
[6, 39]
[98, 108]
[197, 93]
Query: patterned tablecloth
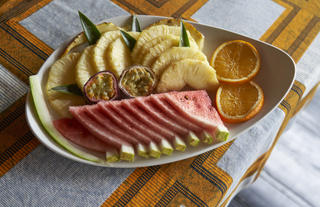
[32, 175]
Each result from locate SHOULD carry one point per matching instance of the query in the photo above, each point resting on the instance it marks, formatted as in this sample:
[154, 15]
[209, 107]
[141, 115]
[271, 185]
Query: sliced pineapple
[100, 60]
[154, 32]
[81, 38]
[196, 35]
[62, 72]
[144, 50]
[188, 72]
[119, 55]
[84, 67]
[157, 50]
[135, 35]
[175, 54]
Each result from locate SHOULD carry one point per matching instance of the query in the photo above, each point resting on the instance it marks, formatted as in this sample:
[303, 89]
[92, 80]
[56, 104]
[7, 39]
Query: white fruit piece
[62, 72]
[222, 133]
[166, 147]
[100, 60]
[142, 151]
[179, 144]
[81, 38]
[154, 150]
[157, 50]
[175, 54]
[119, 55]
[127, 153]
[144, 50]
[112, 156]
[84, 67]
[196, 35]
[193, 140]
[188, 72]
[154, 32]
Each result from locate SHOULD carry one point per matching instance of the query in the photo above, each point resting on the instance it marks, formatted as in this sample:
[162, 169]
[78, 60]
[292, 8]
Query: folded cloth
[32, 175]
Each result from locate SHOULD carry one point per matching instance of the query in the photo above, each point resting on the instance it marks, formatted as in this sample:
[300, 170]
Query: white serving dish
[275, 77]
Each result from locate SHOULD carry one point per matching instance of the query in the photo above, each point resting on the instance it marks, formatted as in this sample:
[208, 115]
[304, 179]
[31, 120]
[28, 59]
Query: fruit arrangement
[145, 92]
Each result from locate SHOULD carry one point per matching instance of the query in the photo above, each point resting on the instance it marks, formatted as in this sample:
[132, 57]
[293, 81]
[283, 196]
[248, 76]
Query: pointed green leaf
[129, 40]
[135, 27]
[184, 39]
[68, 89]
[90, 29]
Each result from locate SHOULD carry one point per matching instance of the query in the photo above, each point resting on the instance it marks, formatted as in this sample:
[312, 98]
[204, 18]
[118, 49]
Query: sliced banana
[119, 55]
[145, 49]
[154, 32]
[188, 72]
[84, 67]
[100, 60]
[175, 54]
[62, 72]
[157, 50]
[196, 35]
[81, 38]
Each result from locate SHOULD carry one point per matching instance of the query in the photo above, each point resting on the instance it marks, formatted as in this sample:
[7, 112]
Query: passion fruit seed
[137, 81]
[101, 86]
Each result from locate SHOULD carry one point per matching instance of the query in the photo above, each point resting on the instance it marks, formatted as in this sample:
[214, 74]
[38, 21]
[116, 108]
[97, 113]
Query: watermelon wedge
[47, 122]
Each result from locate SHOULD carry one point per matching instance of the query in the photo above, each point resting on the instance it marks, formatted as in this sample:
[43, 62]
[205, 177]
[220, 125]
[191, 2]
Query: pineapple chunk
[84, 67]
[119, 55]
[188, 72]
[144, 50]
[157, 50]
[175, 54]
[100, 60]
[81, 38]
[62, 72]
[154, 32]
[196, 35]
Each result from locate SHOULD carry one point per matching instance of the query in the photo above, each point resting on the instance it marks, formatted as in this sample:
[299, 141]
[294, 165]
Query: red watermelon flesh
[159, 116]
[96, 129]
[195, 106]
[71, 129]
[148, 120]
[125, 117]
[95, 113]
[124, 125]
[170, 112]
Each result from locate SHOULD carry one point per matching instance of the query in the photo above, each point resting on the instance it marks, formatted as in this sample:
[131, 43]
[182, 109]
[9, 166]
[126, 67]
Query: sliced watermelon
[197, 107]
[71, 129]
[157, 121]
[159, 116]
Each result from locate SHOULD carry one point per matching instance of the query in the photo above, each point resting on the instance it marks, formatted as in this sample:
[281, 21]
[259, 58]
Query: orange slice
[236, 61]
[239, 102]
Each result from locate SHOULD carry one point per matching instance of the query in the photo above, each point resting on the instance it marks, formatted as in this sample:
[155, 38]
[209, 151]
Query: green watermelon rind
[46, 121]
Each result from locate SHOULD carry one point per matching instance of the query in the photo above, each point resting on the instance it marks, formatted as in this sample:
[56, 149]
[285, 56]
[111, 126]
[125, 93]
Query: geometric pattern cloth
[32, 175]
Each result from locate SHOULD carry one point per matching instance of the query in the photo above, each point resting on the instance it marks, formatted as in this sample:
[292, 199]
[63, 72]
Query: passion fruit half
[137, 80]
[102, 86]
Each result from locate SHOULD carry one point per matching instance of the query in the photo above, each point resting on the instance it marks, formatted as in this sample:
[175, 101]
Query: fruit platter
[135, 91]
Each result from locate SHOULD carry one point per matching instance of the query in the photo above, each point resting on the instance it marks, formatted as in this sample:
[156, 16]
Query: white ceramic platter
[275, 77]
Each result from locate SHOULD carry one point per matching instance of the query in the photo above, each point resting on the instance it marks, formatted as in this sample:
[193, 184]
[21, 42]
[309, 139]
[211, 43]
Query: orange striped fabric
[197, 181]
